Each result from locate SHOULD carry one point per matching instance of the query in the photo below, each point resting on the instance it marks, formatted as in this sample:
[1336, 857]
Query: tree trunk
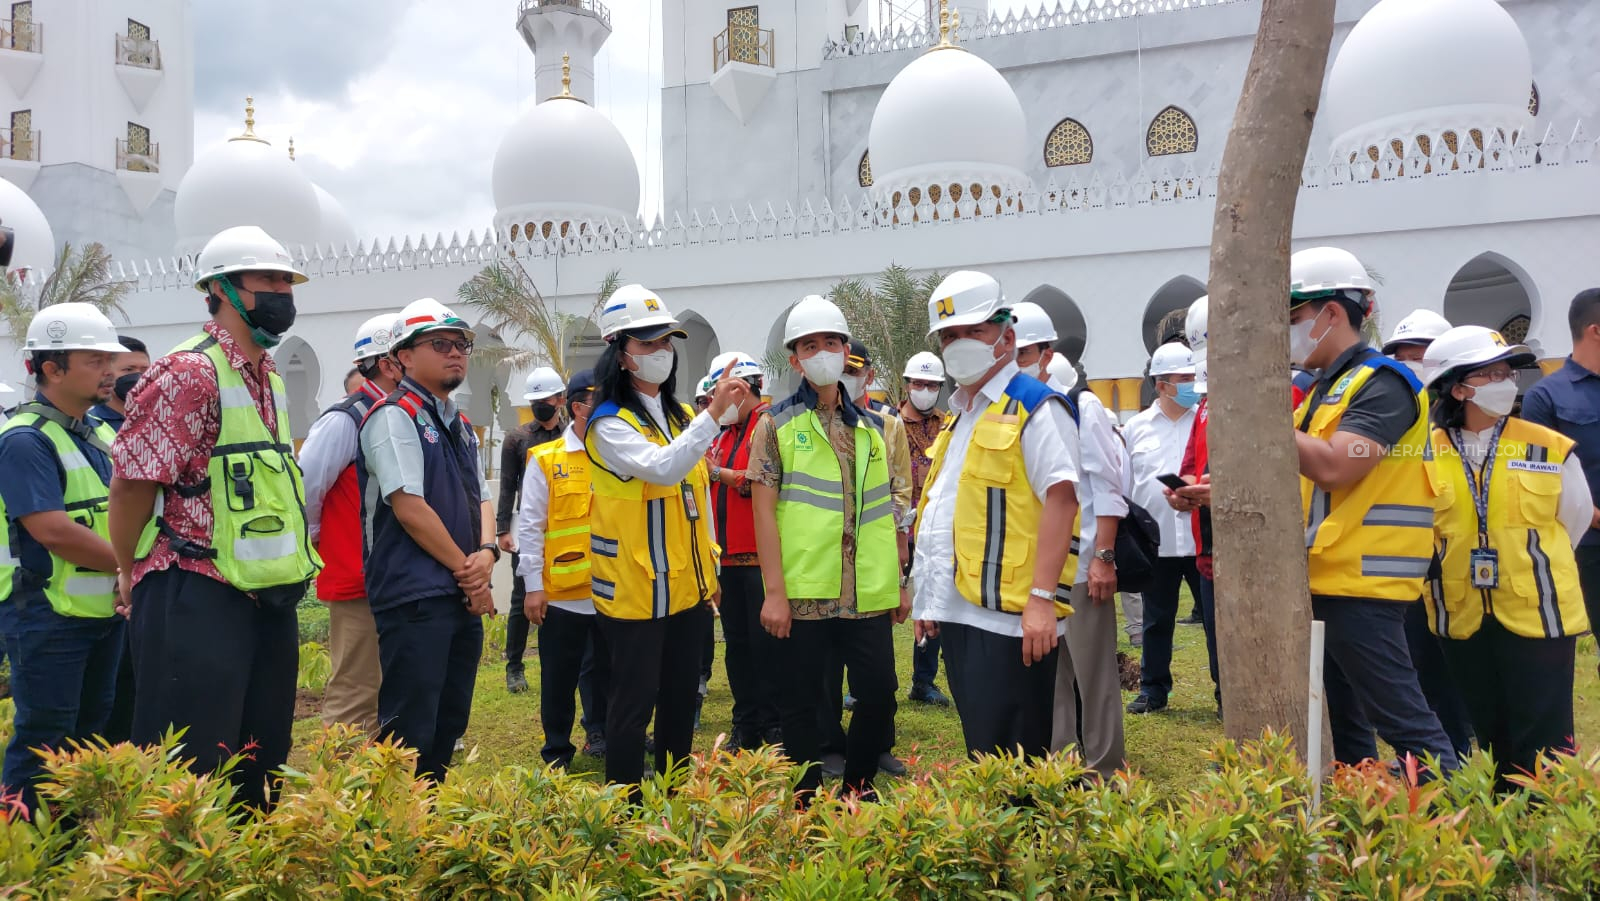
[1264, 607]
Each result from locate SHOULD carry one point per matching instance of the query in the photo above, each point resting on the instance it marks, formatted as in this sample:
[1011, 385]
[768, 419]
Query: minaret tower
[577, 28]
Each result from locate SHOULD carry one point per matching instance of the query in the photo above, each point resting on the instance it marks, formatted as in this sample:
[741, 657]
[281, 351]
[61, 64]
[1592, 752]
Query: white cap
[243, 248]
[1032, 324]
[635, 308]
[372, 338]
[1468, 347]
[965, 297]
[1421, 327]
[542, 383]
[1172, 358]
[425, 315]
[1062, 370]
[72, 326]
[744, 366]
[925, 366]
[814, 315]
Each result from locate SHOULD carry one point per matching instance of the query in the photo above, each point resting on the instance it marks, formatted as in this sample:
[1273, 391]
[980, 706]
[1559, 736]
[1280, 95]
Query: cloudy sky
[397, 106]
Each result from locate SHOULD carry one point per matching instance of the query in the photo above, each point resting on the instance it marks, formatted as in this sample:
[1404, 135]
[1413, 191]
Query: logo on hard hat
[652, 305]
[56, 330]
[381, 336]
[946, 308]
[1498, 341]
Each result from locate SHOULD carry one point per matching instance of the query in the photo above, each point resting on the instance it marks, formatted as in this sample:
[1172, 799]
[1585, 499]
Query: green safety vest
[72, 589]
[811, 513]
[259, 537]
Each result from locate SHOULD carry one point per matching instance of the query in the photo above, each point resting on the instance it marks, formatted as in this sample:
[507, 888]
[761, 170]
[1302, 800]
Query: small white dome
[1413, 67]
[246, 182]
[948, 118]
[563, 160]
[335, 228]
[36, 243]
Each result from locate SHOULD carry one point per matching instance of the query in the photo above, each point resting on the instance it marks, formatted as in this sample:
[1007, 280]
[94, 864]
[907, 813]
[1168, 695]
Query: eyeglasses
[1491, 375]
[445, 345]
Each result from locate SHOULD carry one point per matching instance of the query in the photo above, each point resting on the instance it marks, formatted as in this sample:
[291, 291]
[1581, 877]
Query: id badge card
[1485, 568]
[691, 504]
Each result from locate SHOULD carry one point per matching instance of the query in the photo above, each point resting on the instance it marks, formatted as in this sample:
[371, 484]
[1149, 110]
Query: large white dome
[36, 243]
[564, 161]
[334, 226]
[246, 182]
[1420, 67]
[948, 118]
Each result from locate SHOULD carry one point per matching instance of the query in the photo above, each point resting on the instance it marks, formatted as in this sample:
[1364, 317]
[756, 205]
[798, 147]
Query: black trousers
[1161, 621]
[1589, 580]
[1371, 685]
[119, 725]
[750, 670]
[1437, 683]
[209, 659]
[429, 652]
[565, 640]
[655, 666]
[866, 647]
[1005, 707]
[1519, 691]
[516, 622]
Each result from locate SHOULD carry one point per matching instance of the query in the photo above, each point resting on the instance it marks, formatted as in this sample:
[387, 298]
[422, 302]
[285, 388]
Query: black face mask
[124, 385]
[274, 312]
[544, 412]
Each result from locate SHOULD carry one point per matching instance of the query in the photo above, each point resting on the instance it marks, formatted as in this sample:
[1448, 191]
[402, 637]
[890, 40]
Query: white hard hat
[372, 338]
[744, 366]
[542, 383]
[1032, 324]
[1421, 327]
[1468, 347]
[965, 298]
[243, 248]
[424, 315]
[704, 388]
[1195, 331]
[635, 308]
[1062, 370]
[1172, 358]
[1319, 271]
[925, 366]
[72, 326]
[814, 315]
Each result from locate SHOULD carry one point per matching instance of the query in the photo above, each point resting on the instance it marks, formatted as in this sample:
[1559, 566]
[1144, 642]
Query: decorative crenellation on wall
[1065, 13]
[1152, 185]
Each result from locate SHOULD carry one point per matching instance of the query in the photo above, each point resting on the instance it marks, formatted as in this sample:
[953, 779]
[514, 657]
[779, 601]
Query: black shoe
[516, 682]
[927, 694]
[833, 765]
[1146, 704]
[849, 702]
[891, 764]
[772, 735]
[742, 739]
[594, 745]
[1194, 619]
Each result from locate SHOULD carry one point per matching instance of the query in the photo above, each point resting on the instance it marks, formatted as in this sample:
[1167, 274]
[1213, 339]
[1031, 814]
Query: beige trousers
[1088, 662]
[351, 695]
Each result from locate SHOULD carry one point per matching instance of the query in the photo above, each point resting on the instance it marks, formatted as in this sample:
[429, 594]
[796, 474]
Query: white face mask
[823, 368]
[967, 359]
[1495, 398]
[730, 416]
[654, 368]
[853, 385]
[1301, 344]
[1415, 366]
[924, 399]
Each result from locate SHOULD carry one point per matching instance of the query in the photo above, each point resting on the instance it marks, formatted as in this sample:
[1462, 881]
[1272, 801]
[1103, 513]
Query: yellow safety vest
[650, 545]
[1373, 539]
[1538, 595]
[996, 526]
[566, 536]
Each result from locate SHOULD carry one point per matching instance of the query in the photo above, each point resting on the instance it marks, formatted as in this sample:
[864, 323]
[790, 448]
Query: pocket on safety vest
[1536, 497]
[998, 439]
[569, 501]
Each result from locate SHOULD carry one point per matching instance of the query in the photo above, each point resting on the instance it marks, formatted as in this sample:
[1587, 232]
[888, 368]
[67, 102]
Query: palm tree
[891, 318]
[511, 303]
[82, 276]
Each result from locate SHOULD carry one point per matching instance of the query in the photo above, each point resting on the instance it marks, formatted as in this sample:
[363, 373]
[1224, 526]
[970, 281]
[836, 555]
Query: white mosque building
[1071, 151]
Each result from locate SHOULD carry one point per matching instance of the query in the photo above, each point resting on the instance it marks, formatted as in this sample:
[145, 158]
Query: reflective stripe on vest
[567, 568]
[1373, 539]
[1539, 595]
[997, 515]
[648, 559]
[71, 589]
[811, 509]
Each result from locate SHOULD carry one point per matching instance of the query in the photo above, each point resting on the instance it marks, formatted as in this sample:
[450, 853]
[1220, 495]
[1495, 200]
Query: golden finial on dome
[291, 147]
[566, 75]
[250, 123]
[949, 22]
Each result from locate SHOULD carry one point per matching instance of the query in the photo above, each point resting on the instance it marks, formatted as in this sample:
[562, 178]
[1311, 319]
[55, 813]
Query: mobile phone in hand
[1172, 481]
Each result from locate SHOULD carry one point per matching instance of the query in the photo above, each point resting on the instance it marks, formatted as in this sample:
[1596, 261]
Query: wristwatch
[1043, 594]
[492, 548]
[1106, 555]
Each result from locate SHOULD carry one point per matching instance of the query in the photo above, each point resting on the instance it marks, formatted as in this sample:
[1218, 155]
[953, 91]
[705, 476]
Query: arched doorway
[1176, 294]
[484, 400]
[781, 379]
[1491, 291]
[302, 378]
[584, 349]
[694, 355]
[1072, 332]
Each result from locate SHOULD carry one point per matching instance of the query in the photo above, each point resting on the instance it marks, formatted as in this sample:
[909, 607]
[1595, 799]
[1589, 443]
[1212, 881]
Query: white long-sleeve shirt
[1156, 443]
[329, 448]
[533, 519]
[1576, 505]
[1100, 470]
[1050, 454]
[629, 454]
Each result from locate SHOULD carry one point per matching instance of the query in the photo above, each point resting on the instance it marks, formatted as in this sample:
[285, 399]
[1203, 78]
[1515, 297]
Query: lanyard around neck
[1480, 487]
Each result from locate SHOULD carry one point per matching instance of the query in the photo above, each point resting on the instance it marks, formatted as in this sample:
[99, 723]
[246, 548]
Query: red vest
[735, 517]
[342, 577]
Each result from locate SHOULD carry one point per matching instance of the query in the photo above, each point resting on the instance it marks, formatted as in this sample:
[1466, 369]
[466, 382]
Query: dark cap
[652, 332]
[582, 380]
[858, 358]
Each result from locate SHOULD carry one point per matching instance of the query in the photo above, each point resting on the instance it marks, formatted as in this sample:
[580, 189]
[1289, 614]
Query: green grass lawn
[1167, 747]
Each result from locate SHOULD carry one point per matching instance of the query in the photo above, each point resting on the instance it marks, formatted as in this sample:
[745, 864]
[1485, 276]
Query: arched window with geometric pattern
[1171, 131]
[864, 170]
[1069, 144]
